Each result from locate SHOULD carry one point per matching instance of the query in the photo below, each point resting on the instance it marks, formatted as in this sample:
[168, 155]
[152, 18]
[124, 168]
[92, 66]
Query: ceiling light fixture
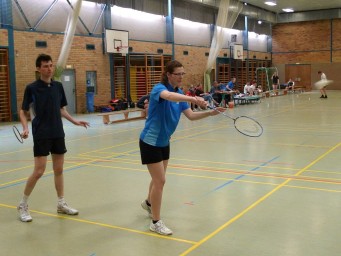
[270, 3]
[288, 10]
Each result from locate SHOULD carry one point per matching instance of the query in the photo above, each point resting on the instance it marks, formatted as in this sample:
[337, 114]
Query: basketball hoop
[116, 41]
[123, 50]
[239, 54]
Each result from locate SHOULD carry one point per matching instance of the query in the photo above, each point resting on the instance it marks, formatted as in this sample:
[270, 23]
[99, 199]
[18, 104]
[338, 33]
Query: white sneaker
[146, 207]
[160, 228]
[24, 213]
[65, 209]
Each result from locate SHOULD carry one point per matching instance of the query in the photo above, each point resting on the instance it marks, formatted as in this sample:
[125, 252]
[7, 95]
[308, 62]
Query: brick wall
[317, 43]
[3, 37]
[80, 59]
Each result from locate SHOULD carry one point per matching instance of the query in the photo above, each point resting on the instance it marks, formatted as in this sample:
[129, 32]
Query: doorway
[69, 85]
[300, 73]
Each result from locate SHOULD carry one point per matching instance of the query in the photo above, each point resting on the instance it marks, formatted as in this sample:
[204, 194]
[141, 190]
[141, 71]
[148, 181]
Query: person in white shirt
[257, 89]
[291, 85]
[323, 90]
[248, 89]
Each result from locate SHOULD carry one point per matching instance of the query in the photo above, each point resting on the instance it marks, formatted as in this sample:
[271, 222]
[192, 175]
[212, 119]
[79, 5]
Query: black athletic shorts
[152, 154]
[43, 147]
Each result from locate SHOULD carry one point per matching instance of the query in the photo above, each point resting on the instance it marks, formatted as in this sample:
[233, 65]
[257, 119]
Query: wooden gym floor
[226, 194]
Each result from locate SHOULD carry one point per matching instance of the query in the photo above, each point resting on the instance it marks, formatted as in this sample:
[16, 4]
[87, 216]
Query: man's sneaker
[146, 207]
[325, 96]
[160, 228]
[24, 213]
[322, 97]
[65, 209]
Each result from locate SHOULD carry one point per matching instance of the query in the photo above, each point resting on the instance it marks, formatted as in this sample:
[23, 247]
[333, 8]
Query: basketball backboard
[116, 41]
[238, 52]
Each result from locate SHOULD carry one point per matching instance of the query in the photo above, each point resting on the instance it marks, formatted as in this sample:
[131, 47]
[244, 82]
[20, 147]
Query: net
[227, 16]
[68, 38]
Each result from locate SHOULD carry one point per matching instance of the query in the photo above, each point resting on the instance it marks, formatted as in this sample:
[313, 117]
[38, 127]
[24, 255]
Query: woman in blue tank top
[166, 104]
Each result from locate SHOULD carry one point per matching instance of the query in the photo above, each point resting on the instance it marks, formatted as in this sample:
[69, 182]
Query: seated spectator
[207, 96]
[291, 85]
[215, 92]
[248, 89]
[232, 89]
[191, 92]
[257, 89]
[231, 85]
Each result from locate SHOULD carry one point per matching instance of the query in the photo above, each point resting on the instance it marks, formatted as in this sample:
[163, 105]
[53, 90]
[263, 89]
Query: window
[91, 81]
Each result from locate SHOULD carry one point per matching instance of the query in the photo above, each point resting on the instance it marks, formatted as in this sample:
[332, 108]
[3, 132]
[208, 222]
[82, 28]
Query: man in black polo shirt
[45, 100]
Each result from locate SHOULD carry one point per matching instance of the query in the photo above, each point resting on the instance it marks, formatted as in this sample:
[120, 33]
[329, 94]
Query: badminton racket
[322, 83]
[17, 134]
[245, 125]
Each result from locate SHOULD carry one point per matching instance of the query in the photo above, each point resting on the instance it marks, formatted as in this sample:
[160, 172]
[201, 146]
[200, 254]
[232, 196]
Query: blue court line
[235, 179]
[243, 175]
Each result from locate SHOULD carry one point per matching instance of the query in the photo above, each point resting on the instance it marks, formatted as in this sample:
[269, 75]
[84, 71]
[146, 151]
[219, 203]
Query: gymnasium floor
[226, 194]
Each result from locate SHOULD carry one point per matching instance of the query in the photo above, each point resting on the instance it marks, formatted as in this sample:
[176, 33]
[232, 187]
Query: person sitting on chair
[215, 92]
[207, 96]
[191, 92]
[257, 88]
[248, 89]
[291, 85]
[232, 88]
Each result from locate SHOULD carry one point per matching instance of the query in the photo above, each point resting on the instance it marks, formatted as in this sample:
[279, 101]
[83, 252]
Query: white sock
[61, 200]
[24, 200]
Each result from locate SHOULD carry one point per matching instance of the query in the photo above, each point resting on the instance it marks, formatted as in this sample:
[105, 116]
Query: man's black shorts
[43, 147]
[152, 154]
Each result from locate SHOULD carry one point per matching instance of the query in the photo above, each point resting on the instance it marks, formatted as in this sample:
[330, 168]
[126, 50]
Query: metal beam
[80, 19]
[45, 14]
[309, 16]
[23, 14]
[99, 18]
[170, 27]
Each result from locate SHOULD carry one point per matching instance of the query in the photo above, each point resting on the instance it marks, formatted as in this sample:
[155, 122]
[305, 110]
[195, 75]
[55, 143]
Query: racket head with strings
[17, 134]
[248, 126]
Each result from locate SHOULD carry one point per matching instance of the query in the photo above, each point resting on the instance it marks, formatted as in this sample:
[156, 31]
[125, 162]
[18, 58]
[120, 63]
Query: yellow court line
[71, 140]
[315, 189]
[14, 152]
[138, 161]
[17, 169]
[216, 169]
[172, 238]
[246, 210]
[134, 141]
[218, 178]
[222, 170]
[268, 144]
[49, 172]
